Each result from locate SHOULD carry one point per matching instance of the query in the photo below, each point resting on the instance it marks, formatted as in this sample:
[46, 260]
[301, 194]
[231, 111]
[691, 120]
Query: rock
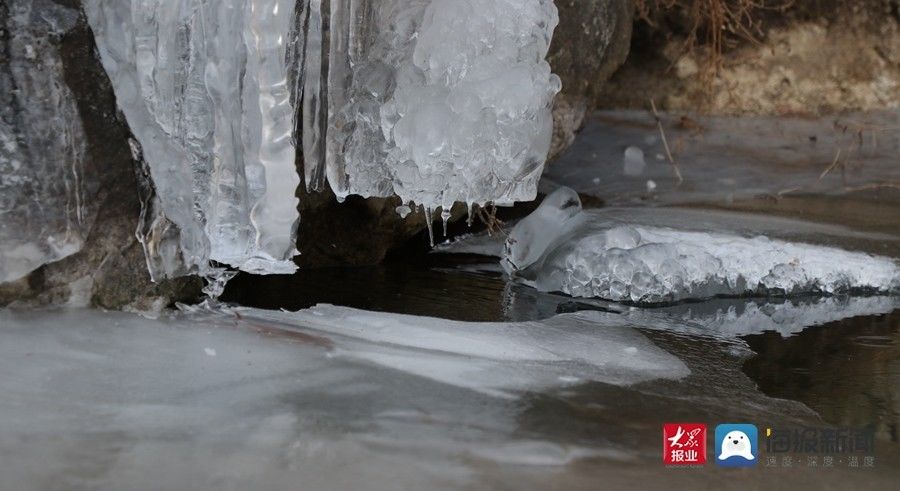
[110, 270]
[590, 43]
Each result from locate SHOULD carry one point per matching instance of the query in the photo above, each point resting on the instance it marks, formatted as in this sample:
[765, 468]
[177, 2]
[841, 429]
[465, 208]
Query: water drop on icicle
[445, 216]
[403, 211]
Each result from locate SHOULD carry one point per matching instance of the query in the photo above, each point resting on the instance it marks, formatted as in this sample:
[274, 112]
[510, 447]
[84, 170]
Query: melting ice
[584, 253]
[436, 101]
[204, 88]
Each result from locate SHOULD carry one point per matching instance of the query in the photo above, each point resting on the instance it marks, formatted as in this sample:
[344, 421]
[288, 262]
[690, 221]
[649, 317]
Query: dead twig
[662, 134]
[489, 219]
[828, 169]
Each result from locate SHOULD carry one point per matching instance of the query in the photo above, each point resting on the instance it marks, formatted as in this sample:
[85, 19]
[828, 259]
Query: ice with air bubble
[439, 101]
[585, 253]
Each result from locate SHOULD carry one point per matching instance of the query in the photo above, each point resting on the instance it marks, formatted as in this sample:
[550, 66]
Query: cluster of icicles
[430, 101]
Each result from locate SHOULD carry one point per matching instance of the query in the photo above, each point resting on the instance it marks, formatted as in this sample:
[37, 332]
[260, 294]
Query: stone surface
[46, 198]
[110, 270]
[591, 42]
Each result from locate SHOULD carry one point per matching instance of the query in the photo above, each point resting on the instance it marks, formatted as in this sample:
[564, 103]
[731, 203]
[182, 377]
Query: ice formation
[46, 209]
[585, 254]
[133, 396]
[496, 358]
[205, 88]
[633, 163]
[436, 101]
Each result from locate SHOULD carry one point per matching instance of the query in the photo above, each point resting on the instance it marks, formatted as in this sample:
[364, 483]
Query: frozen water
[358, 400]
[559, 247]
[633, 163]
[494, 358]
[46, 206]
[730, 158]
[557, 217]
[204, 88]
[123, 401]
[436, 101]
[482, 243]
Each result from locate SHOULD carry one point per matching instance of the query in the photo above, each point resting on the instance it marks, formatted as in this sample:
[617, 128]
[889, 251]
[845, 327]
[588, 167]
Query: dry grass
[713, 24]
[488, 216]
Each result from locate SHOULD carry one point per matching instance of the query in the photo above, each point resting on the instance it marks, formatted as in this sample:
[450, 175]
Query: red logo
[684, 443]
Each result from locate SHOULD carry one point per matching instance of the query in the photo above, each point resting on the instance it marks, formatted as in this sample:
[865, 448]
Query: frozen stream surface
[339, 398]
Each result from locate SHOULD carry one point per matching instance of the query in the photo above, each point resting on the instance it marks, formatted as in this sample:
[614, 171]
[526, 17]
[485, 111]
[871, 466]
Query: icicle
[469, 216]
[445, 216]
[428, 218]
[205, 89]
[390, 105]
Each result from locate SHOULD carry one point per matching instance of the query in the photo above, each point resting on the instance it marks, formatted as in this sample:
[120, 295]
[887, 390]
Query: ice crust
[46, 210]
[204, 88]
[274, 407]
[497, 358]
[436, 101]
[585, 254]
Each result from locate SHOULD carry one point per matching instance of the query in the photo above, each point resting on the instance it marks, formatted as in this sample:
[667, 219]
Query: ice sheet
[586, 253]
[496, 358]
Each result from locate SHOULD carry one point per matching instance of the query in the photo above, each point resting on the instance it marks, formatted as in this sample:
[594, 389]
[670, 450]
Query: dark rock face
[110, 269]
[590, 43]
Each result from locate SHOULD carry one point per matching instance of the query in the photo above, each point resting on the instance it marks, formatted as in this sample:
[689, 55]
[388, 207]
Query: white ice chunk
[633, 163]
[204, 88]
[559, 247]
[491, 357]
[436, 101]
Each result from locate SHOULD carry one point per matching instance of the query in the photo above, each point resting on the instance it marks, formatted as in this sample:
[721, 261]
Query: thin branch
[662, 134]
